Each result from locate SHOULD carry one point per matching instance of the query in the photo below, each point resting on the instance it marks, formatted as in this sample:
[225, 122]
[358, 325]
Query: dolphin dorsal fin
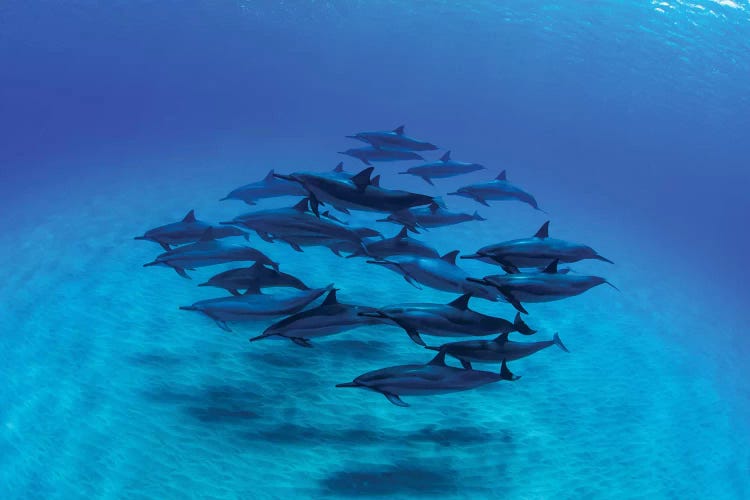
[439, 359]
[339, 167]
[461, 303]
[331, 298]
[362, 179]
[404, 233]
[450, 257]
[269, 176]
[502, 176]
[433, 207]
[502, 338]
[446, 156]
[190, 217]
[399, 130]
[208, 235]
[543, 231]
[303, 205]
[552, 267]
[375, 181]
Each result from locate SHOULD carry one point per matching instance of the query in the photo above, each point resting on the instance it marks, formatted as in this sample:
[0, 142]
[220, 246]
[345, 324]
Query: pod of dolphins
[530, 266]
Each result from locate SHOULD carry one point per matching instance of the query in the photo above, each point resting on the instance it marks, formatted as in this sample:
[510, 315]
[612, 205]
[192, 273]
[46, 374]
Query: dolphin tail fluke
[506, 374]
[348, 384]
[558, 342]
[521, 327]
[597, 257]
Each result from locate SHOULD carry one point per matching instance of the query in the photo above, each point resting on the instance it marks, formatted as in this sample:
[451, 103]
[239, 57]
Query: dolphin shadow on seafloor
[364, 480]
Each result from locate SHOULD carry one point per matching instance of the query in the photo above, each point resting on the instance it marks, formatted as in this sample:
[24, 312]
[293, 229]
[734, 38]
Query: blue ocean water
[627, 120]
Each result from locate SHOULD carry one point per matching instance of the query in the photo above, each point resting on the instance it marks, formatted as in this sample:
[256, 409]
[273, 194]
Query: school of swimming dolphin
[529, 265]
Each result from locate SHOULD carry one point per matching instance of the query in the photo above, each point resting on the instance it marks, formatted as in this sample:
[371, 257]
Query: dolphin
[429, 217]
[298, 227]
[401, 244]
[269, 187]
[454, 319]
[496, 350]
[252, 279]
[329, 318]
[440, 273]
[254, 305]
[434, 377]
[497, 189]
[545, 286]
[395, 139]
[536, 251]
[445, 167]
[369, 154]
[188, 230]
[208, 251]
[357, 193]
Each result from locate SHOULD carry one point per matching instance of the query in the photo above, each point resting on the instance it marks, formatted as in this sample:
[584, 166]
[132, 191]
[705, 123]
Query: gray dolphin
[329, 318]
[498, 189]
[429, 217]
[434, 377]
[545, 286]
[357, 193]
[454, 319]
[208, 251]
[400, 244]
[445, 167]
[394, 139]
[188, 230]
[252, 306]
[298, 227]
[370, 154]
[268, 187]
[536, 251]
[496, 350]
[252, 279]
[439, 273]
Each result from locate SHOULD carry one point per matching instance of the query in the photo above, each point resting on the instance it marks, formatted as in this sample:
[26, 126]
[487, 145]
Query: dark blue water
[627, 120]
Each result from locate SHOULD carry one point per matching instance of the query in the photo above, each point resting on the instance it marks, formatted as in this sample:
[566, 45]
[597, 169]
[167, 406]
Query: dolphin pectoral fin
[428, 181]
[393, 398]
[599, 257]
[223, 325]
[264, 236]
[343, 210]
[182, 272]
[165, 246]
[613, 286]
[481, 200]
[301, 342]
[295, 246]
[521, 327]
[506, 374]
[234, 291]
[507, 267]
[411, 281]
[414, 336]
[512, 300]
[365, 161]
[559, 343]
[465, 364]
[336, 252]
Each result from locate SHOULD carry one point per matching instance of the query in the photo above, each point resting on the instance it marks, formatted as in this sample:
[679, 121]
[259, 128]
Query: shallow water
[110, 391]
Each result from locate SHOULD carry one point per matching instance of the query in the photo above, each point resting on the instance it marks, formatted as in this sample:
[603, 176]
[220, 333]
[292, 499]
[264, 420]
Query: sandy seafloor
[110, 391]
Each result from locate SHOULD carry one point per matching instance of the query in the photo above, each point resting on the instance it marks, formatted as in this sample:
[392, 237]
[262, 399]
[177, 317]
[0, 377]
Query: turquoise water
[627, 121]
